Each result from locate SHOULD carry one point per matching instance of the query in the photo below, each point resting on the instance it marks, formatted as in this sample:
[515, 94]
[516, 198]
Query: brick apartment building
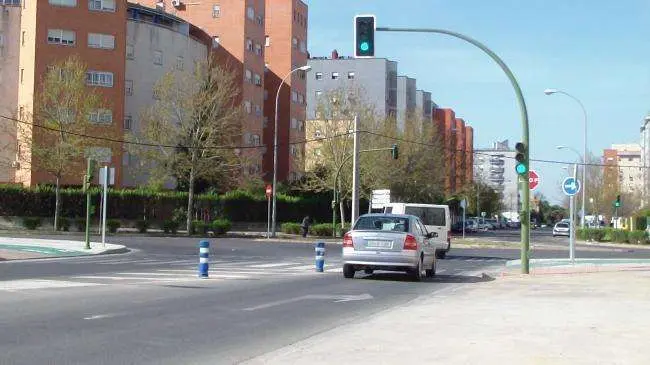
[128, 46]
[457, 142]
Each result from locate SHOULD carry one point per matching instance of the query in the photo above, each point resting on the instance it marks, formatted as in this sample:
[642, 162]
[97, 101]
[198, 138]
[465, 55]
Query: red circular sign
[533, 180]
[269, 190]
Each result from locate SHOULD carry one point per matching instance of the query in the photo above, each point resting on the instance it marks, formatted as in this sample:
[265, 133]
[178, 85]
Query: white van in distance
[436, 219]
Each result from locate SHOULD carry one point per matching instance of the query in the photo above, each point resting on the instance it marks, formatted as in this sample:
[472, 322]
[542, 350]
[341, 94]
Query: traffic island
[22, 248]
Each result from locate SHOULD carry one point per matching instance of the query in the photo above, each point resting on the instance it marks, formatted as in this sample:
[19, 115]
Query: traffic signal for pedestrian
[364, 36]
[617, 203]
[394, 151]
[522, 158]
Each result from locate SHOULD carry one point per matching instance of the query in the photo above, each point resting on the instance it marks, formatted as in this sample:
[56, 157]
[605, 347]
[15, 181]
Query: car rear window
[378, 223]
[428, 215]
[562, 225]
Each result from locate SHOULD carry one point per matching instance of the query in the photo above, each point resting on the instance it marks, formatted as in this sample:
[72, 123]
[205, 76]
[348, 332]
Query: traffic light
[364, 36]
[394, 151]
[522, 160]
[617, 203]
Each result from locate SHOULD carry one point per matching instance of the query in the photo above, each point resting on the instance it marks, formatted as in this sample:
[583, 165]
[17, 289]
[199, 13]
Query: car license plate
[379, 244]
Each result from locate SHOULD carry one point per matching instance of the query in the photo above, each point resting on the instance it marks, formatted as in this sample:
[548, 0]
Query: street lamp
[584, 159]
[305, 68]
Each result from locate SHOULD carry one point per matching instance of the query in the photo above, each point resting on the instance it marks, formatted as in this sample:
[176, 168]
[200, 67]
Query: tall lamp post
[584, 158]
[305, 68]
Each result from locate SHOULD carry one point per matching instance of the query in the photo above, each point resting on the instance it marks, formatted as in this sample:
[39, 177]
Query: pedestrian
[306, 222]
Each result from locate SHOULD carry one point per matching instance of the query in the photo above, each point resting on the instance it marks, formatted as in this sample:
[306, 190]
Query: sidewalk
[30, 248]
[598, 318]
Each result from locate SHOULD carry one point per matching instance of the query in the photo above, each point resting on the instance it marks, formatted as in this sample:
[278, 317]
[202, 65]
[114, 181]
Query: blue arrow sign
[571, 186]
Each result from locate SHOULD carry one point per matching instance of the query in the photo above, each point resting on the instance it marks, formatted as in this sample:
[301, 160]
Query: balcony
[497, 170]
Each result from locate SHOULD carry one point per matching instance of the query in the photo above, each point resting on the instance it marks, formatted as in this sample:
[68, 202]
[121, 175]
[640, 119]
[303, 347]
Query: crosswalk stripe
[26, 284]
[338, 269]
[279, 264]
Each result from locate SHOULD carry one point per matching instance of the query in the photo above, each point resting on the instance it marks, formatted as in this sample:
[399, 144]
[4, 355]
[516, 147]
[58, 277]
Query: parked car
[561, 229]
[485, 226]
[471, 225]
[457, 227]
[392, 242]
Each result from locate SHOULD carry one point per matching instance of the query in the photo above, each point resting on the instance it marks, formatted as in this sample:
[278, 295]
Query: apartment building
[630, 167]
[36, 34]
[496, 167]
[285, 50]
[406, 100]
[645, 158]
[374, 78]
[237, 30]
[423, 107]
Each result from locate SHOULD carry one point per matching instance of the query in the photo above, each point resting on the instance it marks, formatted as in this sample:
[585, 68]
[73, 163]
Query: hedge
[613, 235]
[144, 204]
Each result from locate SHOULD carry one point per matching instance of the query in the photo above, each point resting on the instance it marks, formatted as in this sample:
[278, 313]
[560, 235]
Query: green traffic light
[364, 46]
[521, 168]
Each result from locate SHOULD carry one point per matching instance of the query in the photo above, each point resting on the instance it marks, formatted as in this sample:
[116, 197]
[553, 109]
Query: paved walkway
[29, 248]
[598, 318]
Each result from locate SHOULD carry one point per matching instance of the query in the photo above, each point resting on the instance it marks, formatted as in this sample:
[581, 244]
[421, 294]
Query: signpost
[463, 204]
[571, 187]
[380, 198]
[533, 180]
[269, 192]
[106, 177]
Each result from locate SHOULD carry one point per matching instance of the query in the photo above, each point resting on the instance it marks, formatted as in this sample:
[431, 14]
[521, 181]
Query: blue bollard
[320, 256]
[204, 252]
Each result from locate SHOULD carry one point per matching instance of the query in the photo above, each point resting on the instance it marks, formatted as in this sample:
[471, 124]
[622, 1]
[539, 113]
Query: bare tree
[62, 108]
[194, 125]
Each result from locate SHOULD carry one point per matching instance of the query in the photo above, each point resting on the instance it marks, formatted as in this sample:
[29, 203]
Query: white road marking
[338, 269]
[102, 316]
[279, 264]
[27, 284]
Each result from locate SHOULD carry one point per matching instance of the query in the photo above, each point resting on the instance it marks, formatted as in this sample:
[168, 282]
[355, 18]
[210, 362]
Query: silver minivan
[392, 242]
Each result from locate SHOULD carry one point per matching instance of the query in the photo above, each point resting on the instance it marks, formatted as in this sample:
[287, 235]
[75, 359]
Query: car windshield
[382, 223]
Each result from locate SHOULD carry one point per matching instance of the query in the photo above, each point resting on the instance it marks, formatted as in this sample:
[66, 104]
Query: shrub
[142, 225]
[170, 226]
[619, 235]
[582, 233]
[113, 225]
[199, 227]
[638, 237]
[221, 226]
[321, 230]
[80, 223]
[32, 223]
[598, 234]
[63, 224]
[290, 228]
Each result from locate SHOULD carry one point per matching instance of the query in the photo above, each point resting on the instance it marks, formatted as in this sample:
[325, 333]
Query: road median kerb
[580, 266]
[31, 248]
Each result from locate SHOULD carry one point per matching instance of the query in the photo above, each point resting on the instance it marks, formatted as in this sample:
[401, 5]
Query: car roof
[388, 215]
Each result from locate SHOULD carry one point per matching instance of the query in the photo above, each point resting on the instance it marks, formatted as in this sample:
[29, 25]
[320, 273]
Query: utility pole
[355, 173]
[87, 180]
[572, 226]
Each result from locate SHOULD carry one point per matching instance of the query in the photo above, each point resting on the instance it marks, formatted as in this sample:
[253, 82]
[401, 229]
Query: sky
[597, 51]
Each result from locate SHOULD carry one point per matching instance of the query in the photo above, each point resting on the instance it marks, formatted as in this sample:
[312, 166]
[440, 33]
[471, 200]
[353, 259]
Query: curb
[574, 271]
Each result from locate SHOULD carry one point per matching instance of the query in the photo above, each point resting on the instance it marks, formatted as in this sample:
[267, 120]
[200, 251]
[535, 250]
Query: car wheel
[416, 274]
[441, 254]
[432, 272]
[368, 271]
[348, 271]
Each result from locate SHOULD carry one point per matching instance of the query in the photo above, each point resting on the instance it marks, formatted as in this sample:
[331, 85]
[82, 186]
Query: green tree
[198, 113]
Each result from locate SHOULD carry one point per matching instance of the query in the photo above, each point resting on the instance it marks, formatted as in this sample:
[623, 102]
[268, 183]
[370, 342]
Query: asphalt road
[148, 307]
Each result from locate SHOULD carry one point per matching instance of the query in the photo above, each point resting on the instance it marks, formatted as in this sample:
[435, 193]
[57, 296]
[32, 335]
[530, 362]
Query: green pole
[87, 178]
[523, 179]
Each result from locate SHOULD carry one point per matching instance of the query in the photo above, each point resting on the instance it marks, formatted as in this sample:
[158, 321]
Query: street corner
[32, 248]
[575, 267]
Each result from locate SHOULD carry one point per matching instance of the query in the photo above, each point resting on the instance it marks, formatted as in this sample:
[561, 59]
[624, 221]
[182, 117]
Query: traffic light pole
[523, 181]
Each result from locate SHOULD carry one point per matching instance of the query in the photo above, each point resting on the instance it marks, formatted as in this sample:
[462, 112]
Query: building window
[128, 86]
[247, 106]
[99, 78]
[157, 58]
[128, 122]
[250, 13]
[258, 49]
[22, 39]
[318, 93]
[294, 42]
[215, 42]
[301, 125]
[258, 80]
[70, 3]
[60, 36]
[294, 123]
[301, 99]
[97, 40]
[248, 75]
[258, 110]
[351, 75]
[303, 46]
[294, 96]
[101, 116]
[130, 52]
[335, 75]
[255, 139]
[294, 150]
[249, 44]
[22, 75]
[100, 154]
[180, 63]
[319, 75]
[101, 5]
[216, 11]
[267, 41]
[266, 95]
[260, 20]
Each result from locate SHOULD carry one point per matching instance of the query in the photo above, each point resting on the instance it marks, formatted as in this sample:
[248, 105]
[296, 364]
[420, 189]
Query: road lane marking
[28, 284]
[279, 264]
[335, 298]
[103, 316]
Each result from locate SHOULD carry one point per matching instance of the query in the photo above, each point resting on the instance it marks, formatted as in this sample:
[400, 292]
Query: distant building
[496, 167]
[630, 168]
[645, 159]
[406, 100]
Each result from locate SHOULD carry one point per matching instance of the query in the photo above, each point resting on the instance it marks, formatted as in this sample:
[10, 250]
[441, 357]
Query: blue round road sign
[571, 186]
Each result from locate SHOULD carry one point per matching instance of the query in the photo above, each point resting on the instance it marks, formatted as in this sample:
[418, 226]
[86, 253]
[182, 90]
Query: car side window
[422, 231]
